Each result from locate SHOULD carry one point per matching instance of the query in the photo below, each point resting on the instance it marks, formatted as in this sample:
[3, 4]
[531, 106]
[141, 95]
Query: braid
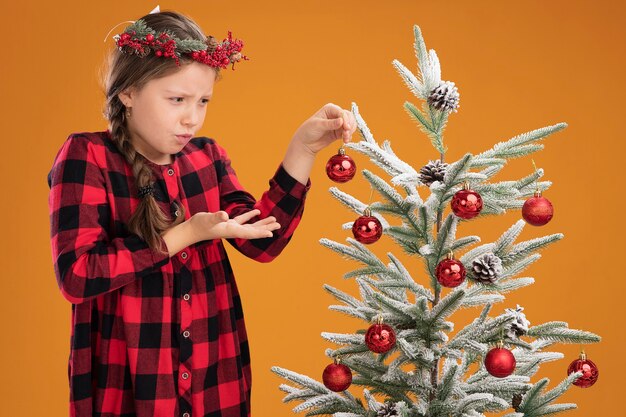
[148, 220]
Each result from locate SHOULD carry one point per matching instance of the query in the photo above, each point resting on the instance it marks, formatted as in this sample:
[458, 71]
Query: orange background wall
[518, 66]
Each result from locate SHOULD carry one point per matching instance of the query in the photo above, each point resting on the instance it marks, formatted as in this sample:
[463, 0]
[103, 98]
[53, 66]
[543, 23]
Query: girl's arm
[288, 187]
[284, 200]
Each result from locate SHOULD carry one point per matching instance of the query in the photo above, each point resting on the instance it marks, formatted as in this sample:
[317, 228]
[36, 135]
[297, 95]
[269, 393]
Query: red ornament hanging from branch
[341, 167]
[337, 376]
[499, 361]
[450, 272]
[537, 210]
[367, 228]
[466, 203]
[380, 338]
[588, 368]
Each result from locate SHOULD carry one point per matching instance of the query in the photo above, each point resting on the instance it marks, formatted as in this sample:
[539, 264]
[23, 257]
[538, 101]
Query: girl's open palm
[218, 226]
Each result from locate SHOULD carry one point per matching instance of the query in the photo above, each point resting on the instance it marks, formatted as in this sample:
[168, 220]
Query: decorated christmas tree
[405, 358]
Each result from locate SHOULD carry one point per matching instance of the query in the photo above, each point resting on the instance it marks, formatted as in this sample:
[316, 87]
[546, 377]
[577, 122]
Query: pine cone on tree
[433, 171]
[517, 400]
[387, 410]
[444, 97]
[519, 326]
[487, 269]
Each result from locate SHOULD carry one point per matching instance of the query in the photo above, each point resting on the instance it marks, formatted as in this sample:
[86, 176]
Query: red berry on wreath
[588, 368]
[466, 203]
[537, 210]
[499, 361]
[450, 272]
[367, 228]
[340, 168]
[380, 338]
[337, 376]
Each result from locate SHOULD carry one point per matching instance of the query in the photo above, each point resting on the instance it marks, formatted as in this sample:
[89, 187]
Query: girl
[137, 216]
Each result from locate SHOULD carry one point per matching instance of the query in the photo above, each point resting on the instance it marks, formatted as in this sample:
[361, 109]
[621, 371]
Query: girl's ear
[126, 97]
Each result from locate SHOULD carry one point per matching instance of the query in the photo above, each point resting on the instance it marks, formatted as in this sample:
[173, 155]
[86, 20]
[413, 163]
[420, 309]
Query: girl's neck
[160, 159]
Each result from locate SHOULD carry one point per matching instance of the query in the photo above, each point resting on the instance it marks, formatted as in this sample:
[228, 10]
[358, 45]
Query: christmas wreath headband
[140, 39]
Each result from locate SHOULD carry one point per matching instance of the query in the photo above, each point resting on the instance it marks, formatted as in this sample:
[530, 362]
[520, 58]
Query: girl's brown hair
[123, 71]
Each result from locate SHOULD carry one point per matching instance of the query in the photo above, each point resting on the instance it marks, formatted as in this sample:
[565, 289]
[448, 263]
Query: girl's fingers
[332, 124]
[266, 220]
[259, 233]
[332, 111]
[348, 127]
[347, 120]
[268, 226]
[264, 230]
[245, 217]
[273, 226]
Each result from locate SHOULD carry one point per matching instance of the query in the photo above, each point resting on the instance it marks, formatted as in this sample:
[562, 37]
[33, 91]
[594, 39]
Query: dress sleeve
[284, 200]
[87, 261]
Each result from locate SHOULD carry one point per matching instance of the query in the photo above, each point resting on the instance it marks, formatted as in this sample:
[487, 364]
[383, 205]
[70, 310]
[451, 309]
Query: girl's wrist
[297, 145]
[299, 160]
[192, 228]
[180, 236]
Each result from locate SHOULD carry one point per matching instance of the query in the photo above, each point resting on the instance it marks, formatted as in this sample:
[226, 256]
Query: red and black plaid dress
[153, 335]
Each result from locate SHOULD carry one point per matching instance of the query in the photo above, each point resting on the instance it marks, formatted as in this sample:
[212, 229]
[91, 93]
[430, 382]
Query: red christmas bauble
[337, 377]
[340, 167]
[537, 210]
[367, 228]
[589, 370]
[500, 362]
[466, 203]
[450, 272]
[380, 338]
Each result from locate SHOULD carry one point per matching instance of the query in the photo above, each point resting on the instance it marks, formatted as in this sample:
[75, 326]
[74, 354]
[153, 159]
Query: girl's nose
[191, 117]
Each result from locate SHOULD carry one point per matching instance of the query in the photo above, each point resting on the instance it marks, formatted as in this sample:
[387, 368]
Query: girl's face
[166, 107]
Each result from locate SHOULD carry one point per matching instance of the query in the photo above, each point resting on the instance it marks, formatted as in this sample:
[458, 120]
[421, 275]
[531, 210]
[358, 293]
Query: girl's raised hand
[217, 225]
[328, 124]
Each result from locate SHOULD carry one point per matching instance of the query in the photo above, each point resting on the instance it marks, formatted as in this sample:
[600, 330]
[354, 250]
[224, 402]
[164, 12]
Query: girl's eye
[204, 100]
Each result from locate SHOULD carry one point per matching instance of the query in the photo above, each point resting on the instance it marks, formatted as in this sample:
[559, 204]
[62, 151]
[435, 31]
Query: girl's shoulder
[95, 147]
[81, 150]
[98, 140]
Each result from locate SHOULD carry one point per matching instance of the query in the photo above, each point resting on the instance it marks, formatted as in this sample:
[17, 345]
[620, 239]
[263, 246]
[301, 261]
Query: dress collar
[146, 160]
